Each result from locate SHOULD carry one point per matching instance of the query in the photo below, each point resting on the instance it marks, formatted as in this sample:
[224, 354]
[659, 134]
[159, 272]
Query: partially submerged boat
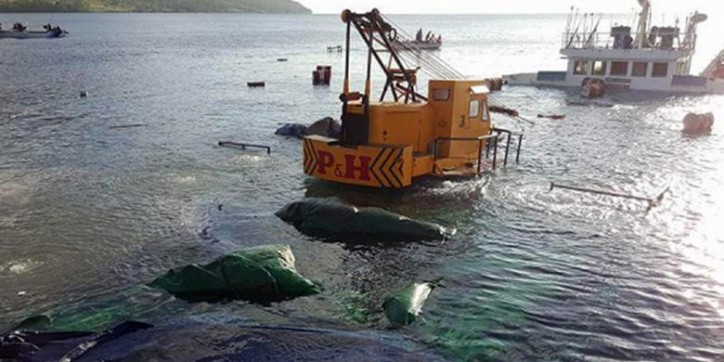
[652, 58]
[20, 31]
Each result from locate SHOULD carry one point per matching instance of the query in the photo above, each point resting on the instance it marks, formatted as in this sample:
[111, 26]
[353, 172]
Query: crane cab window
[441, 94]
[484, 111]
[474, 110]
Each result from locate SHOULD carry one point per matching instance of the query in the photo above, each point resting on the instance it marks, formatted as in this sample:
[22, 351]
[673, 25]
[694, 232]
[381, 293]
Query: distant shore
[154, 6]
[121, 11]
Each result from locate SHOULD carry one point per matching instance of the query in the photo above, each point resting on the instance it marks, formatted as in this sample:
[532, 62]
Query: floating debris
[652, 201]
[504, 110]
[128, 126]
[322, 75]
[281, 59]
[83, 94]
[589, 103]
[552, 116]
[255, 84]
[243, 146]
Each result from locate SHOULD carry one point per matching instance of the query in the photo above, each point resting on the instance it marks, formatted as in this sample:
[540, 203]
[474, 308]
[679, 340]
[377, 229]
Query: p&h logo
[384, 169]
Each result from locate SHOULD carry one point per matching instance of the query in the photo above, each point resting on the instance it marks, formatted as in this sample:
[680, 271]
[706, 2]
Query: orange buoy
[593, 88]
[698, 123]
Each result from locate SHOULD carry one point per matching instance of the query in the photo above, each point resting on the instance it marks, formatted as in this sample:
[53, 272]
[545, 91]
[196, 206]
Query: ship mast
[643, 24]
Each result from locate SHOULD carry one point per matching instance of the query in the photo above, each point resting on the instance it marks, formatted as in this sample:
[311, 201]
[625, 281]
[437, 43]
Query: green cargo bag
[332, 217]
[262, 273]
[403, 307]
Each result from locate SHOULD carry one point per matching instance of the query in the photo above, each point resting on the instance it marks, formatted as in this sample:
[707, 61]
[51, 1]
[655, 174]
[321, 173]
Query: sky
[509, 6]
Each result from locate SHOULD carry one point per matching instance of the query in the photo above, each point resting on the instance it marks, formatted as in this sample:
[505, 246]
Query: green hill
[202, 6]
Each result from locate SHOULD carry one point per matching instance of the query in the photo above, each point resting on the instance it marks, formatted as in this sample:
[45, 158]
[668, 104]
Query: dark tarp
[217, 337]
[33, 345]
[291, 130]
[326, 127]
[331, 217]
[263, 273]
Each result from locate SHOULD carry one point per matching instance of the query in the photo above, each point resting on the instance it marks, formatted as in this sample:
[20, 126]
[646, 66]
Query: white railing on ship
[579, 40]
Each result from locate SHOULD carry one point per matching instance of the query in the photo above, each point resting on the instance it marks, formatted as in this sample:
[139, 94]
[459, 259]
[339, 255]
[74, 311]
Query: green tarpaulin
[330, 216]
[259, 273]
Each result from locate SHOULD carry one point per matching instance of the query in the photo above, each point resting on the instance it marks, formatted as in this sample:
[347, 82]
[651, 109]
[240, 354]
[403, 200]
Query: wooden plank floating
[243, 146]
[652, 201]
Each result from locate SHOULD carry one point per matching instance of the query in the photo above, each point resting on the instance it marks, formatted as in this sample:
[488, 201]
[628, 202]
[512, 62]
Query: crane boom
[379, 36]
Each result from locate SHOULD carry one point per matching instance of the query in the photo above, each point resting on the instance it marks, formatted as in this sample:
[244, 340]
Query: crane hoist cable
[436, 67]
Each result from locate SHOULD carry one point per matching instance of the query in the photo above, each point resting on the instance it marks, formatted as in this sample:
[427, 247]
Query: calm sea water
[88, 213]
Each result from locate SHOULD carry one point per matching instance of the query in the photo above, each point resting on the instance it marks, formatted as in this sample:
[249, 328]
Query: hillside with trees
[201, 6]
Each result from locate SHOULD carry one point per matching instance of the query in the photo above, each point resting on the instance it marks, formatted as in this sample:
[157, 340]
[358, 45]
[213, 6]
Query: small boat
[642, 57]
[427, 42]
[20, 31]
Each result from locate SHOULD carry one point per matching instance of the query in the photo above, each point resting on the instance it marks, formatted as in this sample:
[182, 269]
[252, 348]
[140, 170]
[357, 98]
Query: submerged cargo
[332, 217]
[403, 307]
[262, 273]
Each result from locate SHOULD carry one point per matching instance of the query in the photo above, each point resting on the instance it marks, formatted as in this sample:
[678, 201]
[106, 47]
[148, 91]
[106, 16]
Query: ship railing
[598, 40]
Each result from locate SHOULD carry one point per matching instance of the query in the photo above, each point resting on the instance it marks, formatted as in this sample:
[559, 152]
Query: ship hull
[679, 84]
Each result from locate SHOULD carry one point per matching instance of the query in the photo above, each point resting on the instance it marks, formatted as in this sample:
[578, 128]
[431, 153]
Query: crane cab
[387, 144]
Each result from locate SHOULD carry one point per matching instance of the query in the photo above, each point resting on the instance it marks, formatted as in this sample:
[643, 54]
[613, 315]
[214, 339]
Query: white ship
[650, 58]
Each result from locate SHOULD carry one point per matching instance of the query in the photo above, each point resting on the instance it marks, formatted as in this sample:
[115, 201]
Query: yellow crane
[388, 143]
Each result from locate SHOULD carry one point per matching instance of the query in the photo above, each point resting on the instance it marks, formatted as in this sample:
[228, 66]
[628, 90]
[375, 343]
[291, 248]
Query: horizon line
[388, 13]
